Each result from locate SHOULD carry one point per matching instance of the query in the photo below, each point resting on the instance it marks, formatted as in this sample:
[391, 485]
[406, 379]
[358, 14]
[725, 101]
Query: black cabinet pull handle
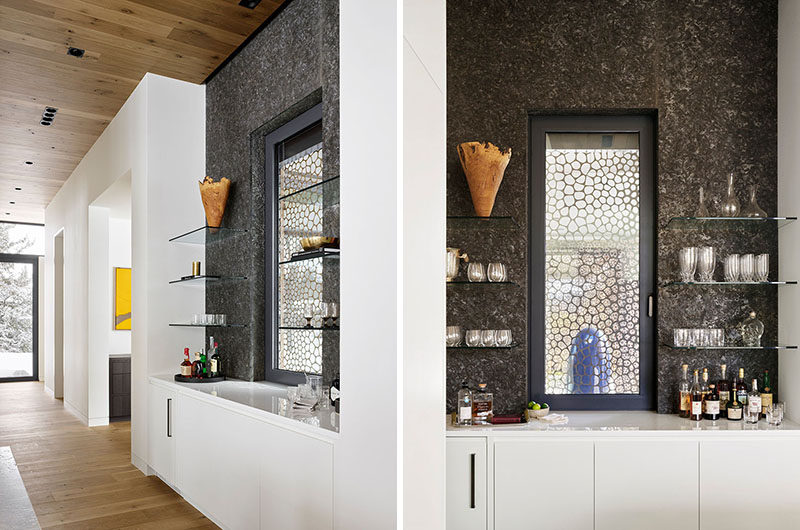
[169, 419]
[472, 480]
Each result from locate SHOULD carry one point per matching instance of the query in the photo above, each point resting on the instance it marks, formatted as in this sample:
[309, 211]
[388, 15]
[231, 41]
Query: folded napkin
[554, 419]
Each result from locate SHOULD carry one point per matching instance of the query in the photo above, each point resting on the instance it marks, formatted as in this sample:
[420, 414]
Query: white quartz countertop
[630, 423]
[267, 400]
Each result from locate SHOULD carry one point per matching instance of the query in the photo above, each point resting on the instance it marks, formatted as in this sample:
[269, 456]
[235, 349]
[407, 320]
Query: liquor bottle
[464, 405]
[216, 362]
[753, 404]
[704, 387]
[712, 403]
[696, 413]
[186, 365]
[766, 395]
[204, 362]
[723, 388]
[734, 408]
[482, 403]
[741, 388]
[197, 366]
[685, 392]
[335, 393]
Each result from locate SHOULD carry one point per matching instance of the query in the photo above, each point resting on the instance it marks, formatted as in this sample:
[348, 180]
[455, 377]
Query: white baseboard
[49, 391]
[75, 412]
[98, 422]
[140, 464]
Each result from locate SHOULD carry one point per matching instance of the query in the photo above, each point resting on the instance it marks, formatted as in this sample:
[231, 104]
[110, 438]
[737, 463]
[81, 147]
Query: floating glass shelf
[676, 283]
[207, 234]
[312, 328]
[325, 191]
[467, 282]
[773, 347]
[313, 254]
[202, 280]
[208, 325]
[721, 223]
[474, 222]
[465, 347]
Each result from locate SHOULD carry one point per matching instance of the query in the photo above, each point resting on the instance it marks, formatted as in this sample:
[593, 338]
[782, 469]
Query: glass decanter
[731, 206]
[702, 209]
[753, 209]
[752, 330]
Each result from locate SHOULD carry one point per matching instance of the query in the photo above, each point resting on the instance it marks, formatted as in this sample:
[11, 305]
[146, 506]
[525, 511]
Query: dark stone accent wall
[290, 66]
[709, 69]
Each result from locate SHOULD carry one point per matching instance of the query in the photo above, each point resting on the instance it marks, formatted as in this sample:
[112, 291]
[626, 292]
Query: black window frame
[302, 122]
[34, 261]
[538, 126]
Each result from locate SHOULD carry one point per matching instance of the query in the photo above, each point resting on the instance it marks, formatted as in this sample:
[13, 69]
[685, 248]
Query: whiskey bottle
[753, 410]
[723, 388]
[704, 387]
[186, 365]
[197, 366]
[766, 395]
[712, 403]
[741, 388]
[696, 412]
[685, 393]
[464, 405]
[216, 362]
[482, 403]
[734, 408]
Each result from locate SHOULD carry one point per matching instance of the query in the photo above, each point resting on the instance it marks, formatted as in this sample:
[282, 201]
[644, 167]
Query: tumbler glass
[706, 262]
[476, 272]
[688, 262]
[732, 268]
[680, 337]
[717, 337]
[473, 337]
[762, 267]
[503, 337]
[496, 272]
[488, 338]
[695, 337]
[453, 335]
[746, 267]
[775, 413]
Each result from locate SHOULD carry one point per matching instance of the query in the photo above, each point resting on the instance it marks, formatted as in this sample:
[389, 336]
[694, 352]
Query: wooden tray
[183, 379]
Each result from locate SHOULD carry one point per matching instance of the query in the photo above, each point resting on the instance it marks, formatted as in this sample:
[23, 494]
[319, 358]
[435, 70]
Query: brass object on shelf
[195, 268]
[317, 242]
[215, 197]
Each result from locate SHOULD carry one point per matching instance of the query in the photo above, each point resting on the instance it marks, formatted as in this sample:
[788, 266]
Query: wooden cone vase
[484, 165]
[215, 197]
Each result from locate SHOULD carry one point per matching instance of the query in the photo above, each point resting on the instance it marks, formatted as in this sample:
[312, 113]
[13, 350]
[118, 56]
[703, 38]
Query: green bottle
[204, 362]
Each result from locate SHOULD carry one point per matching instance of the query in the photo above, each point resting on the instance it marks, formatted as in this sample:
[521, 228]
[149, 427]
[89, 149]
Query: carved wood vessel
[484, 165]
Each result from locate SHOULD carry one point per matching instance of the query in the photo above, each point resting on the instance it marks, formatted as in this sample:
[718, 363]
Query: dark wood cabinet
[119, 388]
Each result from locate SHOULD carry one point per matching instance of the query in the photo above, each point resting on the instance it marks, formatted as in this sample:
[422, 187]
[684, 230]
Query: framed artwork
[122, 298]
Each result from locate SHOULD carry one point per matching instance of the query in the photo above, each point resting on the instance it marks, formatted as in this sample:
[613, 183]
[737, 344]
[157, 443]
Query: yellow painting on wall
[122, 298]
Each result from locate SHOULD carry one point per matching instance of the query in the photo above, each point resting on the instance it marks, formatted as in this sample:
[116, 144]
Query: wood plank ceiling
[123, 40]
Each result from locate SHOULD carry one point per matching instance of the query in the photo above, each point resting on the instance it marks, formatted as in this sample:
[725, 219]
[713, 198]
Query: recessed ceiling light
[8, 213]
[11, 202]
[75, 52]
[45, 122]
[51, 109]
[29, 162]
[18, 189]
[249, 4]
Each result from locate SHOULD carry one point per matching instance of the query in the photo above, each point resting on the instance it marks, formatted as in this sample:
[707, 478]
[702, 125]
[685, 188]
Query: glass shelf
[203, 280]
[313, 328]
[327, 190]
[467, 282]
[711, 284]
[474, 222]
[722, 223]
[465, 347]
[206, 235]
[313, 254]
[772, 347]
[187, 325]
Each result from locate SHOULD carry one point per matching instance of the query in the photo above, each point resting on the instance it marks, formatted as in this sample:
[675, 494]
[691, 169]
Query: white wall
[789, 198]
[158, 138]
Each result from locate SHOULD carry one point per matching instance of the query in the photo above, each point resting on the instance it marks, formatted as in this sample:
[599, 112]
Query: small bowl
[532, 414]
[316, 242]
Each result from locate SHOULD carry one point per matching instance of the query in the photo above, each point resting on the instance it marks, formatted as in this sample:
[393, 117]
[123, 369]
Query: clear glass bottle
[752, 412]
[685, 393]
[711, 403]
[752, 330]
[482, 406]
[704, 387]
[724, 391]
[766, 395]
[702, 209]
[696, 412]
[464, 406]
[753, 209]
[731, 207]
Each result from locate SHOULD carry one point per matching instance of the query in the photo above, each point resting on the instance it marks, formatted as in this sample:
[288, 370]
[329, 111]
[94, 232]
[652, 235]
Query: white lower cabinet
[543, 484]
[161, 433]
[466, 485]
[750, 484]
[649, 484]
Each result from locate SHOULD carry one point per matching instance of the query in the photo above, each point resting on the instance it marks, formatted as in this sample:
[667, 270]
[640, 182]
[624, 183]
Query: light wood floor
[80, 477]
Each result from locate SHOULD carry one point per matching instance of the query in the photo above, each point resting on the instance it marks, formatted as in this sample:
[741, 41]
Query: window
[592, 261]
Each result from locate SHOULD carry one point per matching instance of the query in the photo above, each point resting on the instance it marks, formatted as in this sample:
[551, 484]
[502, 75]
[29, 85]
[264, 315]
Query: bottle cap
[482, 386]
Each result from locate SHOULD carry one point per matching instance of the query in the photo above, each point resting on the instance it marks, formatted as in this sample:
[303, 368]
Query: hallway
[77, 477]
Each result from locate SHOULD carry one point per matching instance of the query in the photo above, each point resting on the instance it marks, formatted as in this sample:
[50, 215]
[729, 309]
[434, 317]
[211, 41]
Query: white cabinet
[466, 484]
[161, 434]
[543, 484]
[635, 479]
[749, 484]
[218, 461]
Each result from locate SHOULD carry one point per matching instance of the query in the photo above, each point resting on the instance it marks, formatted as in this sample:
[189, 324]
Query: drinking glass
[314, 383]
[680, 337]
[706, 262]
[291, 394]
[309, 315]
[746, 267]
[688, 262]
[775, 413]
[453, 335]
[751, 416]
[497, 272]
[732, 268]
[696, 337]
[717, 337]
[762, 267]
[197, 319]
[326, 314]
[473, 337]
[476, 272]
[325, 402]
[333, 308]
[503, 337]
[488, 338]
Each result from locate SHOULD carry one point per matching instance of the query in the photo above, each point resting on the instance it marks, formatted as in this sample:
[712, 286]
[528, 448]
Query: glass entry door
[18, 318]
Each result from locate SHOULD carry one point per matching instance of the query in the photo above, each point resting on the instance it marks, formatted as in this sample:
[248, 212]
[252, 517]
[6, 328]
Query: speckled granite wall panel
[709, 69]
[292, 64]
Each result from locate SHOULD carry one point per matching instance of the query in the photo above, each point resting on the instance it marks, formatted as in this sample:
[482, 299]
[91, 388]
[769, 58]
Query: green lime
[545, 406]
[531, 404]
[536, 406]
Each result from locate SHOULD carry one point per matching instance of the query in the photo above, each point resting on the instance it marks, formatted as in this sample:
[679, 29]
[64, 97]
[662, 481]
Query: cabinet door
[543, 484]
[750, 484]
[160, 432]
[217, 465]
[646, 484]
[466, 483]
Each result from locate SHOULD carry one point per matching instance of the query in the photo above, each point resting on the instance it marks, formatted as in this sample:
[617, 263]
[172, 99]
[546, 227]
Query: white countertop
[262, 397]
[644, 423]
